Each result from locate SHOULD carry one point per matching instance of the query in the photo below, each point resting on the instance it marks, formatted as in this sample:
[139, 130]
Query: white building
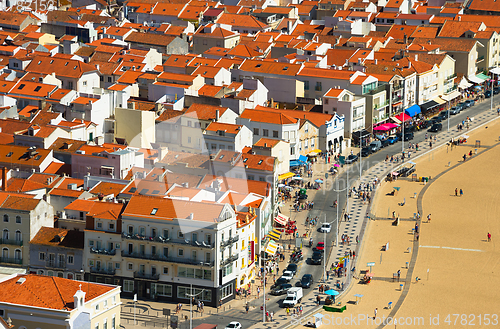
[344, 103]
[226, 136]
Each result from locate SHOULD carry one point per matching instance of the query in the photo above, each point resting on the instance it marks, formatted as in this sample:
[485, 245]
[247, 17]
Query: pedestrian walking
[465, 157]
[258, 292]
[429, 218]
[399, 274]
[461, 192]
[357, 238]
[375, 314]
[318, 299]
[489, 237]
[417, 236]
[272, 316]
[456, 191]
[247, 307]
[287, 311]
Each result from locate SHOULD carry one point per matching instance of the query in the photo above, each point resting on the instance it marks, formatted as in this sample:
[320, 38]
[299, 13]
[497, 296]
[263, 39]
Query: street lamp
[135, 301]
[191, 304]
[324, 260]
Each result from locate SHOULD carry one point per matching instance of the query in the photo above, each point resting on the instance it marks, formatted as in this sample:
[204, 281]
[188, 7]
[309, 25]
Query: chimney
[409, 64]
[376, 61]
[217, 115]
[4, 178]
[265, 144]
[162, 152]
[79, 299]
[191, 216]
[459, 18]
[416, 57]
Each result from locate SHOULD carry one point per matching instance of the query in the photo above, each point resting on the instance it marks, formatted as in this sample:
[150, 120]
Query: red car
[320, 246]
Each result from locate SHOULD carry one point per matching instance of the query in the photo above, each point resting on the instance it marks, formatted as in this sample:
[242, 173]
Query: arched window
[19, 236]
[18, 254]
[6, 218]
[18, 219]
[5, 234]
[5, 253]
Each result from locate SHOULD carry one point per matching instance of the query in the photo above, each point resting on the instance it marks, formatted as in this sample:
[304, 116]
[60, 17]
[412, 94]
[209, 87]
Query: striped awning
[281, 219]
[271, 247]
[274, 234]
[285, 175]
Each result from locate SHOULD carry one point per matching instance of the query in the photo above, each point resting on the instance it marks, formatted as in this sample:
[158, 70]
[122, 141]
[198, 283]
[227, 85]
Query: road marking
[451, 248]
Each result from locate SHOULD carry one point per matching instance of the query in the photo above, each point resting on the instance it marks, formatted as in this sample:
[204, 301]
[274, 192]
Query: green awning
[483, 76]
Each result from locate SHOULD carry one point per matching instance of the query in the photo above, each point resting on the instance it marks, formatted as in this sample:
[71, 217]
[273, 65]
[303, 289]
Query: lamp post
[337, 222]
[324, 260]
[191, 295]
[135, 301]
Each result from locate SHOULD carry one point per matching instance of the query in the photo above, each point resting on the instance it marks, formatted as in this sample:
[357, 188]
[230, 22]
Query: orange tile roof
[204, 111]
[484, 6]
[97, 209]
[425, 32]
[267, 116]
[209, 90]
[456, 29]
[14, 154]
[267, 67]
[48, 291]
[84, 100]
[20, 202]
[58, 237]
[226, 127]
[241, 20]
[267, 142]
[399, 31]
[167, 209]
[238, 185]
[61, 67]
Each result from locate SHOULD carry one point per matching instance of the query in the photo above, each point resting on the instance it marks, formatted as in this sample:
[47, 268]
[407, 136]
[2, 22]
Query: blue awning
[302, 158]
[294, 163]
[413, 110]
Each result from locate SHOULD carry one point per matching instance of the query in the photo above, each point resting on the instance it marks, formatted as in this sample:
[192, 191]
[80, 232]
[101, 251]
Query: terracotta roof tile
[58, 237]
[48, 291]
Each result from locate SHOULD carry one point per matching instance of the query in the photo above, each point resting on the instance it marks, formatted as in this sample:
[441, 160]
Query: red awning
[403, 117]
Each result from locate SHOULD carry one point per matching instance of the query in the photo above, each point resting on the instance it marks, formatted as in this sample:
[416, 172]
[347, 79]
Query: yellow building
[44, 302]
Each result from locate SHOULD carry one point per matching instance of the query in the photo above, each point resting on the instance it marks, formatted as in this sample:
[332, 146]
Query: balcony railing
[229, 260]
[11, 242]
[383, 104]
[145, 276]
[452, 88]
[102, 270]
[397, 86]
[396, 99]
[479, 59]
[375, 90]
[162, 239]
[17, 261]
[55, 264]
[162, 258]
[103, 251]
[229, 241]
[453, 76]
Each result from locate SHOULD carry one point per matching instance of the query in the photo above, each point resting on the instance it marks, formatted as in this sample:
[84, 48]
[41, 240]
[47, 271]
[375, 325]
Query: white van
[375, 146]
[293, 296]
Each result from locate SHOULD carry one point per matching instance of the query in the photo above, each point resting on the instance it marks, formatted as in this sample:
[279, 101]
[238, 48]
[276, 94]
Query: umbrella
[394, 173]
[397, 188]
[332, 292]
[319, 180]
[336, 165]
[297, 178]
[369, 275]
[281, 185]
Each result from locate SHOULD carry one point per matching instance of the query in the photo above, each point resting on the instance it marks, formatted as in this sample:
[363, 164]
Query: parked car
[365, 151]
[320, 247]
[325, 228]
[375, 146]
[455, 110]
[460, 106]
[279, 282]
[287, 275]
[280, 290]
[443, 115]
[496, 90]
[234, 325]
[306, 281]
[317, 258]
[487, 93]
[351, 159]
[436, 127]
[392, 139]
[470, 102]
[408, 136]
[292, 268]
[385, 143]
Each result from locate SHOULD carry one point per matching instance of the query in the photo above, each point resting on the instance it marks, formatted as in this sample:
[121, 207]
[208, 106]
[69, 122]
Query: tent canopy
[475, 79]
[495, 70]
[383, 127]
[463, 84]
[413, 110]
[360, 134]
[482, 76]
[429, 105]
[285, 175]
[403, 117]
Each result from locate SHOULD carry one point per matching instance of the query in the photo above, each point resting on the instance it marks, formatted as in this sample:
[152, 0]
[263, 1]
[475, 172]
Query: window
[184, 292]
[113, 322]
[130, 266]
[194, 254]
[84, 83]
[41, 256]
[265, 132]
[275, 133]
[306, 85]
[128, 285]
[255, 131]
[180, 252]
[71, 259]
[165, 233]
[180, 235]
[97, 326]
[97, 308]
[318, 86]
[194, 273]
[130, 229]
[189, 123]
[165, 270]
[5, 218]
[227, 291]
[5, 234]
[105, 324]
[189, 140]
[227, 270]
[99, 225]
[162, 289]
[18, 219]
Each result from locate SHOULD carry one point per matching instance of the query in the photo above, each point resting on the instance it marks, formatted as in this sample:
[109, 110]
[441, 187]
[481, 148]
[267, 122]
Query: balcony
[381, 105]
[103, 251]
[453, 76]
[229, 260]
[450, 89]
[397, 86]
[480, 59]
[162, 239]
[6, 260]
[229, 241]
[397, 98]
[162, 258]
[11, 242]
[144, 276]
[55, 264]
[102, 270]
[370, 90]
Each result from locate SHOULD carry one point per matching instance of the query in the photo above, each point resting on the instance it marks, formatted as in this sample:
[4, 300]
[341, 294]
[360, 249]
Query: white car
[287, 275]
[326, 227]
[234, 325]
